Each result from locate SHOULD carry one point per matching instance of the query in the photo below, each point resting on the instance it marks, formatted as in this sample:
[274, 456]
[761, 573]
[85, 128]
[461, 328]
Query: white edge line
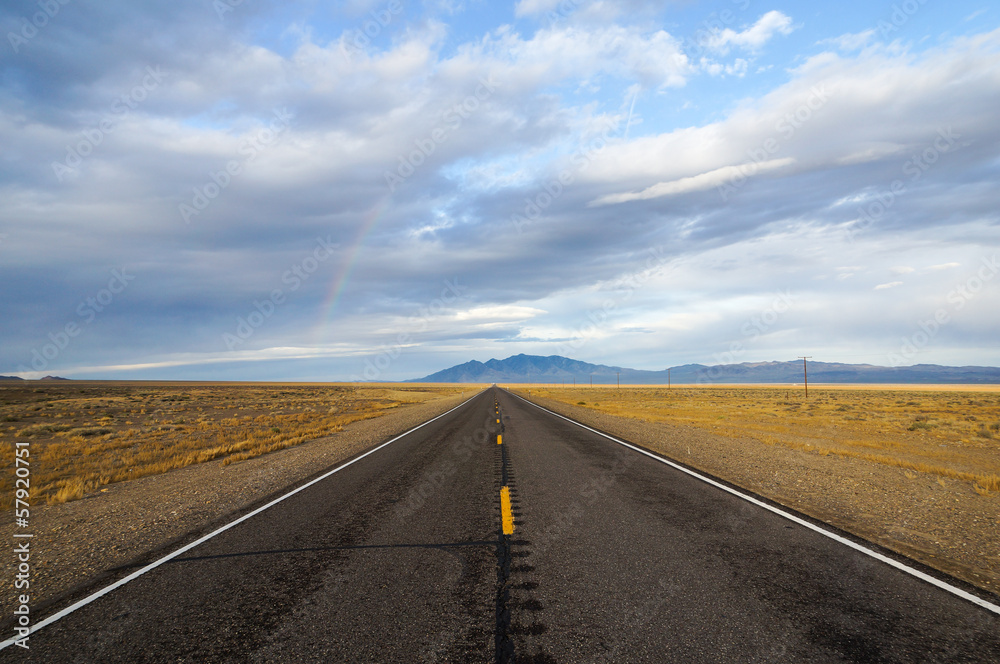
[184, 549]
[989, 606]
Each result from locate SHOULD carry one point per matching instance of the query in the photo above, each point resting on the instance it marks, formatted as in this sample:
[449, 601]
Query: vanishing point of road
[500, 532]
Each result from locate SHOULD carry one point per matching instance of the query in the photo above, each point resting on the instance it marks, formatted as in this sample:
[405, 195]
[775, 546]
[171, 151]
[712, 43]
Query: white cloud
[700, 182]
[891, 284]
[550, 55]
[736, 68]
[498, 313]
[836, 115]
[752, 38]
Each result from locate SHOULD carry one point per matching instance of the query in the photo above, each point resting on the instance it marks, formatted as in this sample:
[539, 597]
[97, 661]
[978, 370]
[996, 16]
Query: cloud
[891, 284]
[700, 182]
[654, 59]
[833, 108]
[498, 314]
[802, 157]
[737, 68]
[752, 38]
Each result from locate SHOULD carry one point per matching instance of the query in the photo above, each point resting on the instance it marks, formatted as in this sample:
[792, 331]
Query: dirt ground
[914, 470]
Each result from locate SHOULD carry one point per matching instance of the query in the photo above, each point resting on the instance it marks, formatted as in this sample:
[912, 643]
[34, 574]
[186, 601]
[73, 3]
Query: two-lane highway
[555, 545]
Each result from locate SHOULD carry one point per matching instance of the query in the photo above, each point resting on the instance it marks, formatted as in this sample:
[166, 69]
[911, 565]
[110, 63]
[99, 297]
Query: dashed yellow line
[499, 439]
[507, 516]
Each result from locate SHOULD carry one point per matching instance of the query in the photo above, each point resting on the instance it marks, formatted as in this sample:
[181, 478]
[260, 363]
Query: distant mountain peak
[522, 368]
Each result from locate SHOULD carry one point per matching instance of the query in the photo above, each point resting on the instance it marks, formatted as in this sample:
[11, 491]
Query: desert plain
[121, 469]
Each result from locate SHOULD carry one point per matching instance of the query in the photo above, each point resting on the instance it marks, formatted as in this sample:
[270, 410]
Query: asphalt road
[614, 557]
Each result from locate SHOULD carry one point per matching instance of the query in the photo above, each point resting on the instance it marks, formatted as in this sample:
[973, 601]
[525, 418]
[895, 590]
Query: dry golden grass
[86, 435]
[951, 432]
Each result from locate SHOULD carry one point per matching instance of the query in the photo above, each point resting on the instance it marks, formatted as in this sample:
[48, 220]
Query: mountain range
[557, 369]
[46, 378]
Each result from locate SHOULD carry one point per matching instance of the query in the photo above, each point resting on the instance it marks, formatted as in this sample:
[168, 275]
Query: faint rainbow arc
[339, 282]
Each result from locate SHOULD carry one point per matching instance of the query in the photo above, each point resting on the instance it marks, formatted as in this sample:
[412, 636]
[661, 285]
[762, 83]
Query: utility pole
[805, 373]
[591, 380]
[619, 379]
[668, 378]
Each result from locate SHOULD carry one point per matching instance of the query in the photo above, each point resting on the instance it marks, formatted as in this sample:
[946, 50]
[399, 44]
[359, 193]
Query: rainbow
[340, 279]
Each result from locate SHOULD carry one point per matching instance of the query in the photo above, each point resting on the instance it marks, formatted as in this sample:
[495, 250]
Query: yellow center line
[499, 439]
[507, 515]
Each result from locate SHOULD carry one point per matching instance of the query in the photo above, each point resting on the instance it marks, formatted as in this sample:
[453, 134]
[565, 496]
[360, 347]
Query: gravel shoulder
[76, 543]
[940, 522]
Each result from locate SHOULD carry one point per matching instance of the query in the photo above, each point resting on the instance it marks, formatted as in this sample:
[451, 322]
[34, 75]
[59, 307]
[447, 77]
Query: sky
[380, 189]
